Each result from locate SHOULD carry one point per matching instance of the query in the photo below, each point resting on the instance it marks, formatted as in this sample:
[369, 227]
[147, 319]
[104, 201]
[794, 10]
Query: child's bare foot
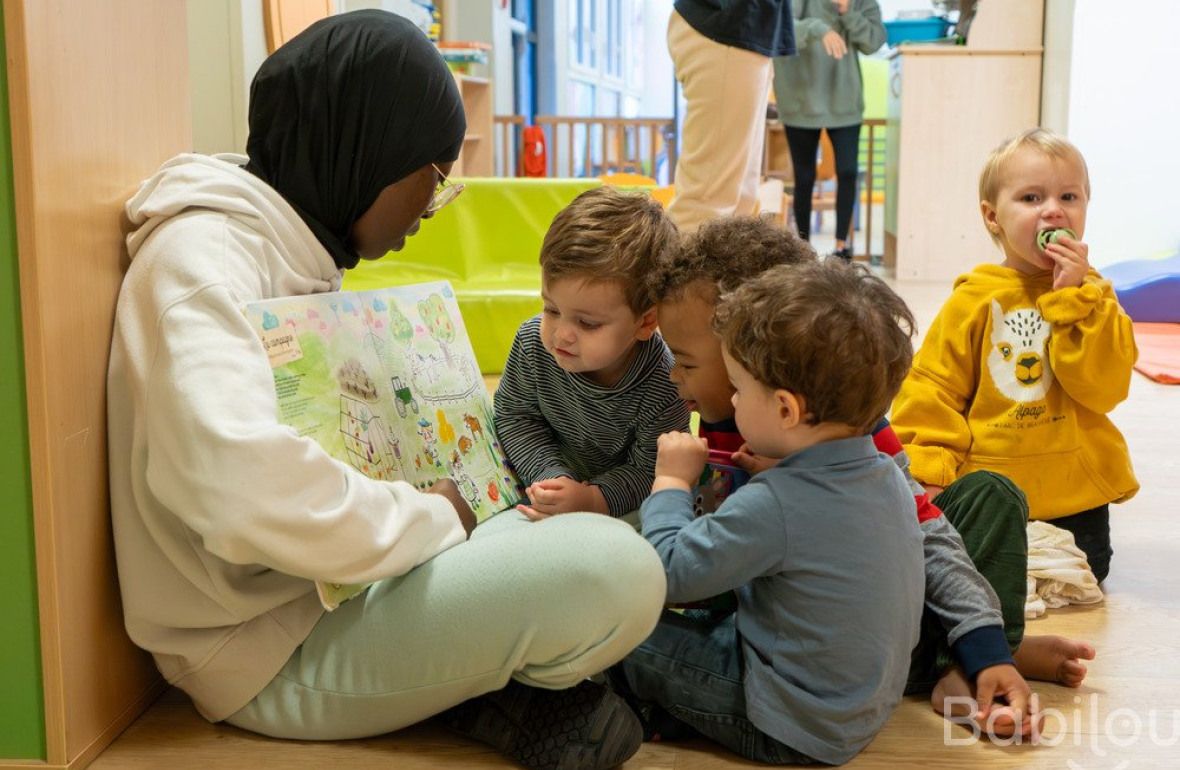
[954, 698]
[1054, 659]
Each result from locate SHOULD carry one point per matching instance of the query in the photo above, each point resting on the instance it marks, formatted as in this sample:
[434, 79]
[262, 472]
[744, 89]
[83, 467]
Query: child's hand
[681, 458]
[834, 44]
[448, 489]
[562, 495]
[751, 463]
[996, 686]
[1070, 261]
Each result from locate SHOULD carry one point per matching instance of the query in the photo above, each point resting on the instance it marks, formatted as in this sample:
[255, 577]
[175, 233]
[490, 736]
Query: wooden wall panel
[284, 19]
[99, 98]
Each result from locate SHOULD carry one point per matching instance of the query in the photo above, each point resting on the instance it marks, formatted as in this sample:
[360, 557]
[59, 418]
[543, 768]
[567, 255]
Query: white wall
[658, 75]
[211, 77]
[1056, 65]
[1124, 115]
[890, 8]
[227, 44]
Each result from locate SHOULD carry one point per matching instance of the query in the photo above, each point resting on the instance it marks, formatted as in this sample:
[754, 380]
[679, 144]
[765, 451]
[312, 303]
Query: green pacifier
[1045, 237]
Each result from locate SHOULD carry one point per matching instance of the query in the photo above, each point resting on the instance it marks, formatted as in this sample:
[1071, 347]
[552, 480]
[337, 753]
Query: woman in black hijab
[223, 517]
[354, 106]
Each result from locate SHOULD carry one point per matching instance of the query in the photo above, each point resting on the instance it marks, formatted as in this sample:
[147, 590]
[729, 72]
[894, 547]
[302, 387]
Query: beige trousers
[720, 161]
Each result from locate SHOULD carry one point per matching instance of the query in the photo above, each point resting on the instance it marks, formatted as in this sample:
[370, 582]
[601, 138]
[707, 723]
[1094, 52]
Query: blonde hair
[607, 235]
[1048, 143]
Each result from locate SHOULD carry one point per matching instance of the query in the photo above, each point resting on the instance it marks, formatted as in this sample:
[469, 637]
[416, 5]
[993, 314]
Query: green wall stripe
[22, 706]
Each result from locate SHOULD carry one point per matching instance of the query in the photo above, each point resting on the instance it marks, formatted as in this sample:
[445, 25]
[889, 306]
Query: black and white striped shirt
[553, 423]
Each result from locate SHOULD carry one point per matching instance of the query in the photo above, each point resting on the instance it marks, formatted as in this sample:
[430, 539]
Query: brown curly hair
[727, 252]
[832, 333]
[609, 235]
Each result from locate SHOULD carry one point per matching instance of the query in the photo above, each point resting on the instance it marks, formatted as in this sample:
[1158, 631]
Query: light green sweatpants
[546, 603]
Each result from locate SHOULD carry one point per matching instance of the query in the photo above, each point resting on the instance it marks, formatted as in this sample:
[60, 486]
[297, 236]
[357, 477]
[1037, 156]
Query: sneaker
[586, 727]
[844, 253]
[657, 724]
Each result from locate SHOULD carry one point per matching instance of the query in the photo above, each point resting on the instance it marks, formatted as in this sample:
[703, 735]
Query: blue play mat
[1148, 289]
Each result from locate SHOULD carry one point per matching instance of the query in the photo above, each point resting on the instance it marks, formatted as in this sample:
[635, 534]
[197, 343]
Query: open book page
[387, 382]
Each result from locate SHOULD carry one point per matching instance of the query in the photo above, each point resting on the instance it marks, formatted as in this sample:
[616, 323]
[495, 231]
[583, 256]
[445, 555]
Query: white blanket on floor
[1058, 573]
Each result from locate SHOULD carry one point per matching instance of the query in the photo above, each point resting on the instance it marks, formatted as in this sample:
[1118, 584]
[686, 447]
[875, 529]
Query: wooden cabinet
[949, 106]
[476, 157]
[97, 103]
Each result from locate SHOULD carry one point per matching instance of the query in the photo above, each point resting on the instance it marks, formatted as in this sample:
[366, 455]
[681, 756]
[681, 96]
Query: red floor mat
[1159, 351]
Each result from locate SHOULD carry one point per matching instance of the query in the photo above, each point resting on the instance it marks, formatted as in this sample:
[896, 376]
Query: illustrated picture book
[386, 381]
[718, 480]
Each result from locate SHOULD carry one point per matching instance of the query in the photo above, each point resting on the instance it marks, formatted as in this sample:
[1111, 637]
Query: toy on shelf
[462, 56]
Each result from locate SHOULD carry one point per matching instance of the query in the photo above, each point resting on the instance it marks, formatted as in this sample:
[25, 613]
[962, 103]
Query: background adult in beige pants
[722, 60]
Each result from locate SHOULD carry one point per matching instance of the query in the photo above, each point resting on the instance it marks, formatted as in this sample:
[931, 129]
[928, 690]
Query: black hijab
[346, 108]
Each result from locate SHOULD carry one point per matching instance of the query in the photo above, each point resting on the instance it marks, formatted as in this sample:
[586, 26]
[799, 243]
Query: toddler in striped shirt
[585, 391]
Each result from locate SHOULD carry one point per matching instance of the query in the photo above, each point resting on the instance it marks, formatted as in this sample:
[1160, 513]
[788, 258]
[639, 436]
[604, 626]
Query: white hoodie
[223, 517]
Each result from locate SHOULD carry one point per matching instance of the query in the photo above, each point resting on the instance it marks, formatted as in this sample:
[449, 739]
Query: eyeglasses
[446, 192]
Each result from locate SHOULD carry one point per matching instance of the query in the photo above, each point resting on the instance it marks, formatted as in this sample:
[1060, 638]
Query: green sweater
[813, 89]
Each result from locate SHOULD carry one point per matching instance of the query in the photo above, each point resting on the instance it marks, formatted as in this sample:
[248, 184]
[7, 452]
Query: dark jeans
[692, 671]
[991, 515]
[803, 144]
[1091, 532]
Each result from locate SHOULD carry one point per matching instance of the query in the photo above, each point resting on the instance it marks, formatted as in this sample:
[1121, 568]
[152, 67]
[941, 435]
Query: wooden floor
[1126, 716]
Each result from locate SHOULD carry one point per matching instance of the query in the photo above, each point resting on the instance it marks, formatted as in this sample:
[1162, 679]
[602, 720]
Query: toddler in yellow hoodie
[1022, 366]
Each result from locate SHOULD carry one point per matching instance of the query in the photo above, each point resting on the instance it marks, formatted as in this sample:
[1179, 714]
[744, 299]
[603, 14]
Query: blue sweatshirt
[825, 555]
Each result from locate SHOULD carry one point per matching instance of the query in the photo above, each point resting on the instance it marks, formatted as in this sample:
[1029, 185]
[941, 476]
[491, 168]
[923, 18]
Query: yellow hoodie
[1017, 378]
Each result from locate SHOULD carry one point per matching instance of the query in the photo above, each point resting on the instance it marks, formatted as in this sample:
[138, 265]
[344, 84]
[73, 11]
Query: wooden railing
[507, 144]
[591, 146]
[870, 127]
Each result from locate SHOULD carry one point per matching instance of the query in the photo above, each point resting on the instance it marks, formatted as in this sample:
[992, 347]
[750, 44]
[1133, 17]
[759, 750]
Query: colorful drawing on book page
[718, 480]
[386, 381]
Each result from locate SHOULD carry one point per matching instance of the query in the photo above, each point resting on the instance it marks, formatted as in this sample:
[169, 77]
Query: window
[583, 29]
[613, 44]
[604, 40]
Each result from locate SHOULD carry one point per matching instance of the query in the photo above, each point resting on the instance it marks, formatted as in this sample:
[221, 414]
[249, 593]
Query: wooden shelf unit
[949, 106]
[477, 157]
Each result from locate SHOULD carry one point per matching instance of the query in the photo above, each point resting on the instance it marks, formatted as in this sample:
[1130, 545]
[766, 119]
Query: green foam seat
[487, 244]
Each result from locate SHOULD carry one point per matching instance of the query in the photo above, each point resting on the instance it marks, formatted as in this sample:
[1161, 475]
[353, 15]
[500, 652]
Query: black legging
[1091, 533]
[804, 142]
